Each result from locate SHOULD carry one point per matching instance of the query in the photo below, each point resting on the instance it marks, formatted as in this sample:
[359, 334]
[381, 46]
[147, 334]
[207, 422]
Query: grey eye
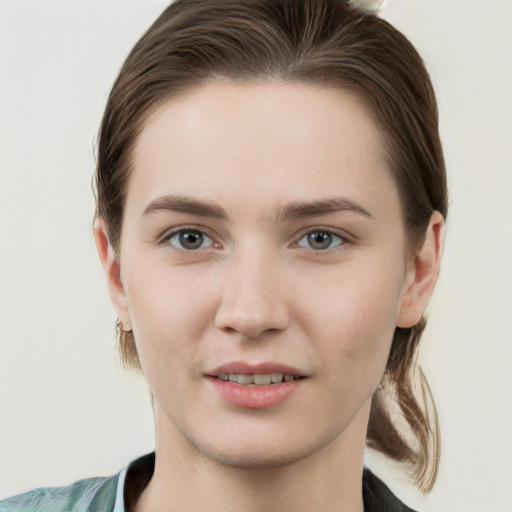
[190, 240]
[320, 240]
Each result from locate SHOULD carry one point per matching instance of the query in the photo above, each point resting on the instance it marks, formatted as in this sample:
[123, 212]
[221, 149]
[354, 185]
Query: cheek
[170, 310]
[354, 321]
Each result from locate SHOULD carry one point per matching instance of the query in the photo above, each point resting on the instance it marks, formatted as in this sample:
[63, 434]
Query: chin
[255, 454]
[256, 461]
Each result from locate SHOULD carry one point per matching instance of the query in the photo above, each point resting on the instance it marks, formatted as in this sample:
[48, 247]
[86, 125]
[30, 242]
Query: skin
[257, 291]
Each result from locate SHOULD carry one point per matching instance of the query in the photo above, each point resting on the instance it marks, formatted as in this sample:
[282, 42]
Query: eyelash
[339, 239]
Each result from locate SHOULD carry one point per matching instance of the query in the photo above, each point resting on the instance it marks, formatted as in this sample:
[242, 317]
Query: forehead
[281, 142]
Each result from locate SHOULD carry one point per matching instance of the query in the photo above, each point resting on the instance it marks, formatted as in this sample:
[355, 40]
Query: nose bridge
[253, 299]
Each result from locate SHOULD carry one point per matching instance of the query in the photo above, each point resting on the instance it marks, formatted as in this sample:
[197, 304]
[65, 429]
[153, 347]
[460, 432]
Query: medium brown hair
[318, 42]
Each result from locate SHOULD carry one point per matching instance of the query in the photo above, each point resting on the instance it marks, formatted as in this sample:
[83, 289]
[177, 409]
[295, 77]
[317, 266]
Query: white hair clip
[367, 6]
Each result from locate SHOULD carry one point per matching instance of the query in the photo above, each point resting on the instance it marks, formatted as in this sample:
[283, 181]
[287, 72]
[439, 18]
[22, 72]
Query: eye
[320, 240]
[190, 240]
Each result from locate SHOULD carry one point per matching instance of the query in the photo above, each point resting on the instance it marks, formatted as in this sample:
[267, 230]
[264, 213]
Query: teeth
[259, 379]
[242, 378]
[277, 377]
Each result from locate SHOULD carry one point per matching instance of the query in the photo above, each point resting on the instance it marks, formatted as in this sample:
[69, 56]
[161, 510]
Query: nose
[253, 301]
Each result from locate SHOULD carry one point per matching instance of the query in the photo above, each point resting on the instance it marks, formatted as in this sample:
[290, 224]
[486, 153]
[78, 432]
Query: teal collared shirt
[89, 495]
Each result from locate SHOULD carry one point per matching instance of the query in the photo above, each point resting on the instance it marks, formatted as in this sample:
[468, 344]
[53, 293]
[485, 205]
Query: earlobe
[111, 265]
[422, 274]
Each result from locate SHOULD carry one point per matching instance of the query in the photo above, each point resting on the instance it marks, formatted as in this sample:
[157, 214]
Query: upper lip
[242, 367]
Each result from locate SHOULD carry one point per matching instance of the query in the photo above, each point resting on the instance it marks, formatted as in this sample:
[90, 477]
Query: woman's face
[262, 235]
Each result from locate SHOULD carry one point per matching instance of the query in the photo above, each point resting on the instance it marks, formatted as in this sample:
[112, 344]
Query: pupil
[191, 239]
[320, 240]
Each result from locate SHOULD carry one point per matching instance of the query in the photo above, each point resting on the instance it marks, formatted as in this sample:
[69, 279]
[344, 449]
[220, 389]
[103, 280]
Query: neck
[186, 479]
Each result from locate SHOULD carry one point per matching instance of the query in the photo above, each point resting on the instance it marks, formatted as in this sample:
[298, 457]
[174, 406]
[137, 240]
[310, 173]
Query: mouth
[256, 386]
[257, 379]
[252, 374]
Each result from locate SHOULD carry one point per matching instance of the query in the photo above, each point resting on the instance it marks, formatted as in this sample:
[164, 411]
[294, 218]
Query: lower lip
[255, 397]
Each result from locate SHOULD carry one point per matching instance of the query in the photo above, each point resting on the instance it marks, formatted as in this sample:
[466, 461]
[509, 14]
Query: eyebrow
[186, 204]
[293, 211]
[303, 209]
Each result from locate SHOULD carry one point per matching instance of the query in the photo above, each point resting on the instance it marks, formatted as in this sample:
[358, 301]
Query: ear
[422, 273]
[112, 268]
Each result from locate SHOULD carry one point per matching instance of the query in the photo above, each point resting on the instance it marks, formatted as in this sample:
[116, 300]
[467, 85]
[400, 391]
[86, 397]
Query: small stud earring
[123, 327]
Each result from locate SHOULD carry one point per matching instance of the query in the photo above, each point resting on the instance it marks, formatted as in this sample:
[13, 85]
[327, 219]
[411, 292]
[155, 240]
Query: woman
[271, 198]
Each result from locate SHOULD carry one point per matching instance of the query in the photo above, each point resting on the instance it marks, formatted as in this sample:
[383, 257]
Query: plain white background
[68, 410]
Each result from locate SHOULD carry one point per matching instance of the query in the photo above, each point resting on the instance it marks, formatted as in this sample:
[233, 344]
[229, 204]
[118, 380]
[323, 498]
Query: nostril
[251, 325]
